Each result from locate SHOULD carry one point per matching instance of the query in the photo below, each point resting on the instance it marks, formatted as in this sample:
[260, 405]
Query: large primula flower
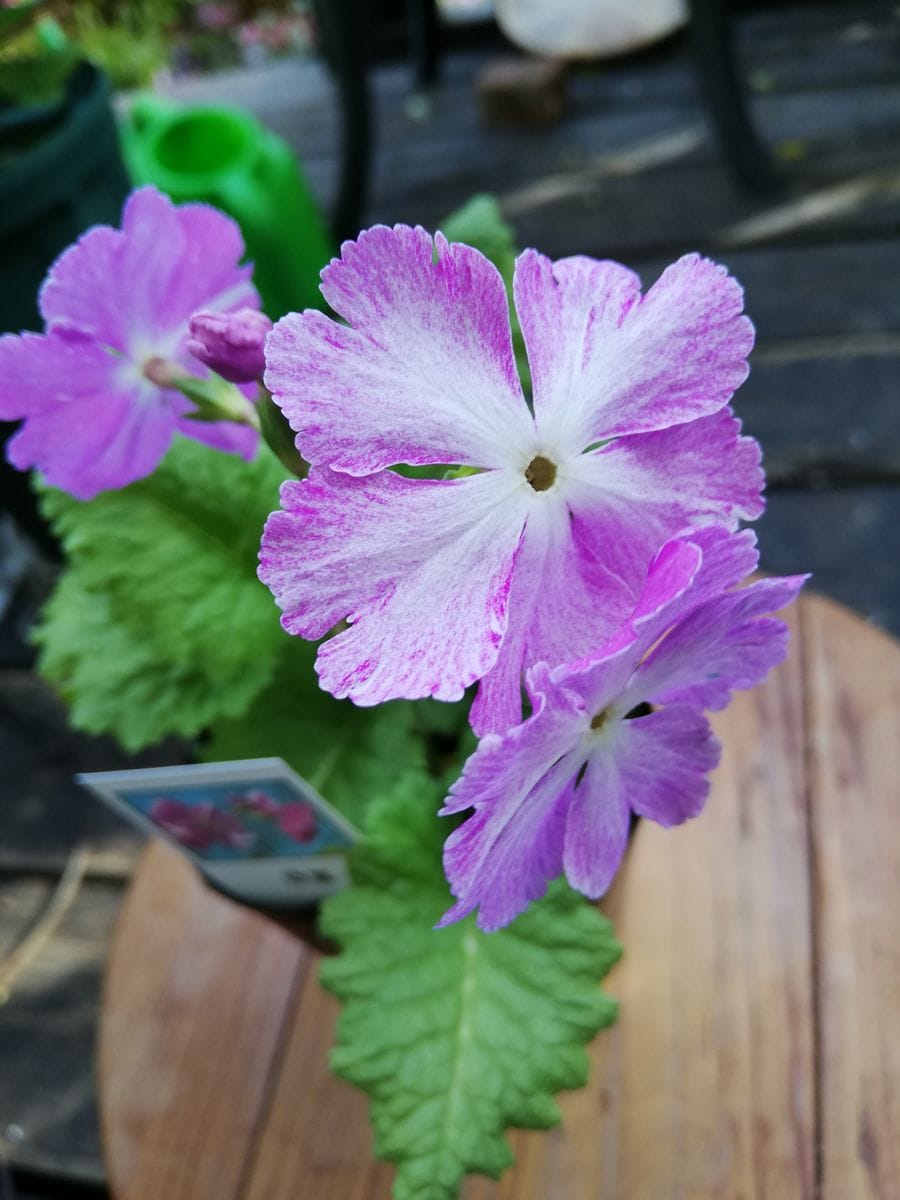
[617, 733]
[540, 553]
[116, 307]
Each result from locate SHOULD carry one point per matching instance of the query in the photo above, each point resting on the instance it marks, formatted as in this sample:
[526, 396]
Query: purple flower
[540, 554]
[91, 389]
[231, 344]
[619, 732]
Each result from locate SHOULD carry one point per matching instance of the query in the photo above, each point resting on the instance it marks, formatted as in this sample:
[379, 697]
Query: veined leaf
[347, 754]
[160, 625]
[116, 682]
[456, 1034]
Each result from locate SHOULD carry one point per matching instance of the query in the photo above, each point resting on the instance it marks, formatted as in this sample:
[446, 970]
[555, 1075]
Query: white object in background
[588, 28]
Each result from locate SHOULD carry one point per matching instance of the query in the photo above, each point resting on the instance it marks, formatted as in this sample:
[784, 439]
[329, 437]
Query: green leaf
[456, 1034]
[347, 754]
[117, 682]
[160, 624]
[479, 223]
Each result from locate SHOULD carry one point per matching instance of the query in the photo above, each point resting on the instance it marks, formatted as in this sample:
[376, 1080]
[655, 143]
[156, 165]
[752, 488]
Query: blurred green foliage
[36, 56]
[40, 40]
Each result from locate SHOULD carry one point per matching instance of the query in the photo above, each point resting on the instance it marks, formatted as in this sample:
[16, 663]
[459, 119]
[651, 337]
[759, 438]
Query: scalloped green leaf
[453, 1033]
[347, 754]
[160, 625]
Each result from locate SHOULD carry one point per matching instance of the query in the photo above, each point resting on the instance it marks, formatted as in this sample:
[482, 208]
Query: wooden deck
[757, 1052]
[631, 173]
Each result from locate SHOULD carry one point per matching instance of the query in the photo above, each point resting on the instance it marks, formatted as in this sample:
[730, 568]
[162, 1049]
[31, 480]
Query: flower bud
[231, 344]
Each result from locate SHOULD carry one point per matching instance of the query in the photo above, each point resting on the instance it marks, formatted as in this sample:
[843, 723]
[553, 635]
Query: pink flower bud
[231, 344]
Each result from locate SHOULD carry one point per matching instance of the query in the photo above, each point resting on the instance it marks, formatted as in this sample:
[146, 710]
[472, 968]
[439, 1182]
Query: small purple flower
[92, 388]
[540, 553]
[231, 344]
[619, 732]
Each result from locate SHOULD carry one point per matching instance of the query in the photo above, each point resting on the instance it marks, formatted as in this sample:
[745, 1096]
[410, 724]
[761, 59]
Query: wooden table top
[757, 1053]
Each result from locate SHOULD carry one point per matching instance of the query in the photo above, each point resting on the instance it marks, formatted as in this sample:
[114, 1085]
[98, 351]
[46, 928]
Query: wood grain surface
[853, 684]
[196, 992]
[756, 1054]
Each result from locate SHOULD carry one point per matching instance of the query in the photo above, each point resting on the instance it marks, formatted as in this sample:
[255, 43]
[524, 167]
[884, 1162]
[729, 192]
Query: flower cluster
[581, 542]
[574, 552]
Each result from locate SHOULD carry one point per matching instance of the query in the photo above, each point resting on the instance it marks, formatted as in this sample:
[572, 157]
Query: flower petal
[520, 786]
[220, 435]
[87, 426]
[607, 363]
[134, 288]
[664, 761]
[597, 826]
[563, 604]
[114, 283]
[421, 569]
[206, 273]
[723, 645]
[570, 311]
[686, 572]
[80, 289]
[426, 374]
[638, 492]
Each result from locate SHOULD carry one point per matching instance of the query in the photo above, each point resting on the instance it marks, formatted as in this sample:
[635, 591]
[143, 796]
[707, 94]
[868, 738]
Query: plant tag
[255, 828]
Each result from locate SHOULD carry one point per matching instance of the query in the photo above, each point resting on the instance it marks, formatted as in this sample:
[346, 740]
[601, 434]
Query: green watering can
[225, 157]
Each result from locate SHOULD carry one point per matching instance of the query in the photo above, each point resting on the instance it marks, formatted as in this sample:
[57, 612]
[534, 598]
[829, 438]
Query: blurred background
[766, 135]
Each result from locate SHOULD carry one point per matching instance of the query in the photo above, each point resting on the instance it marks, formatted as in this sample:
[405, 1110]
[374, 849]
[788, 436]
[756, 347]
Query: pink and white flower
[92, 389]
[617, 733]
[538, 555]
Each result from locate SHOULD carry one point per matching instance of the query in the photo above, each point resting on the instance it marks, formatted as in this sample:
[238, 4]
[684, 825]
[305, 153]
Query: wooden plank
[853, 679]
[316, 1140]
[193, 1012]
[706, 1087]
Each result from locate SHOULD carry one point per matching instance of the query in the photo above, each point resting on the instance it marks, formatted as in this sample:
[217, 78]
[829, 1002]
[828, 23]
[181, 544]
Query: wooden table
[757, 1053]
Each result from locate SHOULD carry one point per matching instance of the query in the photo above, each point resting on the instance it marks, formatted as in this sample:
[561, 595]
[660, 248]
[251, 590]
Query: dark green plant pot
[60, 171]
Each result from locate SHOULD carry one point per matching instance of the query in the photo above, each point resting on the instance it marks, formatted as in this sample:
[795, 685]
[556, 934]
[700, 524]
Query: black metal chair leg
[343, 25]
[712, 34]
[424, 42]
